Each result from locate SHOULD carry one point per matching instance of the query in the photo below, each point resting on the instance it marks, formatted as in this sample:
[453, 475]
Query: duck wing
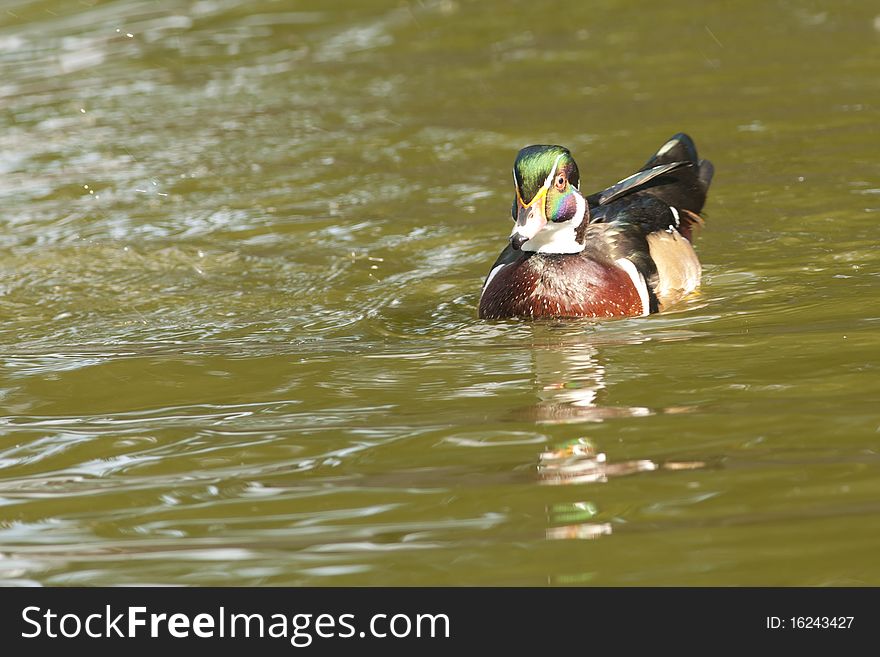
[639, 179]
[674, 174]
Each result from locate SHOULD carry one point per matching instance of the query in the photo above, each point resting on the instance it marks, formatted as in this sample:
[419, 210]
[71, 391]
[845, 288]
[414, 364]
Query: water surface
[240, 262]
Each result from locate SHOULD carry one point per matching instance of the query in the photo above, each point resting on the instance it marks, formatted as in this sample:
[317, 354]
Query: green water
[240, 258]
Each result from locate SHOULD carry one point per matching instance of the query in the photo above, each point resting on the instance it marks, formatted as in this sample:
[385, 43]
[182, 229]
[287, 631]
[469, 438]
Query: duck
[625, 251]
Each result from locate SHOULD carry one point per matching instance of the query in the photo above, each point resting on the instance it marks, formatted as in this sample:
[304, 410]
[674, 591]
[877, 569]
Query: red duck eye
[560, 182]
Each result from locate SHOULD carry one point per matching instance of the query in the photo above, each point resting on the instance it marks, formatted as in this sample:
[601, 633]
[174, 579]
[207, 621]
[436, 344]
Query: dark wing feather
[678, 148]
[674, 175]
[629, 184]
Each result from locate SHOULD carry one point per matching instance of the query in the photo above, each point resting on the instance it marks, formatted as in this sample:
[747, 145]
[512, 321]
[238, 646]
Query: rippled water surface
[240, 259]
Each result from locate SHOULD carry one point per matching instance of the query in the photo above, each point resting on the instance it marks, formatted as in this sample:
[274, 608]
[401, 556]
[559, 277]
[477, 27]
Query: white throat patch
[559, 237]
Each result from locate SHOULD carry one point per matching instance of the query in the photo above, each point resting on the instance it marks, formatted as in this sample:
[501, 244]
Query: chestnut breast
[560, 285]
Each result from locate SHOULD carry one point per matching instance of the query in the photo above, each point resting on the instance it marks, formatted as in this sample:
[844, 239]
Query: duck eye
[560, 182]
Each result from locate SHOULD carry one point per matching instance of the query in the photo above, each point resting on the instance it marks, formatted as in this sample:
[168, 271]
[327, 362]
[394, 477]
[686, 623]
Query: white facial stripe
[675, 214]
[638, 282]
[549, 180]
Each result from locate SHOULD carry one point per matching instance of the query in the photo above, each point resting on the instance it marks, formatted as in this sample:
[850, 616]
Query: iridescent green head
[535, 163]
[548, 207]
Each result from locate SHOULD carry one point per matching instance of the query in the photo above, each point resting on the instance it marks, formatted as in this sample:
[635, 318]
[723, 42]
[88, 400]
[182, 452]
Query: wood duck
[624, 251]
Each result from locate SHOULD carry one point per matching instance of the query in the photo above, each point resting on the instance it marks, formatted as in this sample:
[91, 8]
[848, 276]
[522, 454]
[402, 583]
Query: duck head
[548, 209]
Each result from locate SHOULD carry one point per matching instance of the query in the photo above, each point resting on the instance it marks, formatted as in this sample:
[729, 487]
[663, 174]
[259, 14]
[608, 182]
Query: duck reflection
[579, 462]
[570, 382]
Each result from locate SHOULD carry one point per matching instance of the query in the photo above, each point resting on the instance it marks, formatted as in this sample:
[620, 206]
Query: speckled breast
[559, 285]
